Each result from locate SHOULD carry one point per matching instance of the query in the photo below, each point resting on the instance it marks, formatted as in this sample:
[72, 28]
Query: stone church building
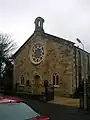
[48, 57]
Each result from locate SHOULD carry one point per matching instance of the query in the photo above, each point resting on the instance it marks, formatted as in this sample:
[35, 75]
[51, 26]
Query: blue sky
[68, 19]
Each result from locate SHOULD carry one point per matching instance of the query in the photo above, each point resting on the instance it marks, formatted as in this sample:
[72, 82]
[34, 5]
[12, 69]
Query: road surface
[58, 112]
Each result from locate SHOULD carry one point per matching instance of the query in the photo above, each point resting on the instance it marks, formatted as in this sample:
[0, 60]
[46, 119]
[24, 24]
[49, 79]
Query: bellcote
[39, 24]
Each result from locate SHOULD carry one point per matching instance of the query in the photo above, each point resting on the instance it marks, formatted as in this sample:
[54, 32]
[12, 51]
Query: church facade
[47, 57]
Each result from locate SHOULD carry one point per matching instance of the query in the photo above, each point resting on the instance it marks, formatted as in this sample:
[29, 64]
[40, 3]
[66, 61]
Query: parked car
[12, 108]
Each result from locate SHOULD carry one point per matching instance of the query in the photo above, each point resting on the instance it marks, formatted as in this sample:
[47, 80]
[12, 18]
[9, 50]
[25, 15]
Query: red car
[12, 108]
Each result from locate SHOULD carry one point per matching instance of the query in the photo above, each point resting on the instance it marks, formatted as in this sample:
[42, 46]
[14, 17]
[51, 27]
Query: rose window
[37, 53]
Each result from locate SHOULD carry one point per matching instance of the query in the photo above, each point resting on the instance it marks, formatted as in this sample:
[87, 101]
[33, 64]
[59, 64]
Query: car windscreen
[16, 111]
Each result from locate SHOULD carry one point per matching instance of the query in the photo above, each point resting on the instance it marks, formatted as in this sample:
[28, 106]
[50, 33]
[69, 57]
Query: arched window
[56, 79]
[27, 83]
[39, 23]
[22, 79]
[53, 79]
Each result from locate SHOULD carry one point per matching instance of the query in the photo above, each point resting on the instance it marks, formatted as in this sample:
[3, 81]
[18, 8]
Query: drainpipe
[76, 68]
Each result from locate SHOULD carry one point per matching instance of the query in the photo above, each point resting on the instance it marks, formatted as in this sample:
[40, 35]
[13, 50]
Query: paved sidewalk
[65, 101]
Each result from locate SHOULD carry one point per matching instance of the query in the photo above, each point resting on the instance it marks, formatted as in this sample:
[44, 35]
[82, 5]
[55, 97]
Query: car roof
[8, 99]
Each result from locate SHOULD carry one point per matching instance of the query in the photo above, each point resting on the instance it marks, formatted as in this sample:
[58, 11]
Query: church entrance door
[37, 84]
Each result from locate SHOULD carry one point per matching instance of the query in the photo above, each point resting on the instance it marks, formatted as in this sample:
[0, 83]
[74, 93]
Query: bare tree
[7, 46]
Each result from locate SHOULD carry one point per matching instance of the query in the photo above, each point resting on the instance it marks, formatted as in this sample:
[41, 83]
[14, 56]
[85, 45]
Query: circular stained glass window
[37, 53]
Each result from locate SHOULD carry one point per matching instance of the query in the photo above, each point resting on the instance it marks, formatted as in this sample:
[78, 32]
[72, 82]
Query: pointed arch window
[56, 79]
[53, 79]
[22, 79]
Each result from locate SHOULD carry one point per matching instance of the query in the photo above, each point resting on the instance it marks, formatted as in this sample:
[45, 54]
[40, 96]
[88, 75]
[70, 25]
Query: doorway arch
[37, 80]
